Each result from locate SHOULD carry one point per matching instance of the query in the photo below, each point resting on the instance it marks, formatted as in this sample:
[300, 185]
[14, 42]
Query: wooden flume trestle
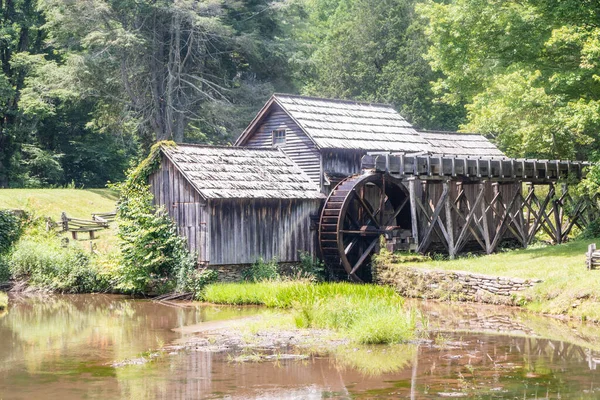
[450, 205]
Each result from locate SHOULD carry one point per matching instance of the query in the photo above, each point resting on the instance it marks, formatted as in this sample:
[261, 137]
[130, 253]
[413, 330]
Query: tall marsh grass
[369, 314]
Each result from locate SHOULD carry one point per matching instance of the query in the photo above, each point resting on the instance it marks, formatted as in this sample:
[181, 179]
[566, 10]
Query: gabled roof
[240, 172]
[460, 144]
[340, 124]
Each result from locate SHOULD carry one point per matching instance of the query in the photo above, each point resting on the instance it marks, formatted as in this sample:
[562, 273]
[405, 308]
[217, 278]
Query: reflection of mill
[494, 358]
[566, 353]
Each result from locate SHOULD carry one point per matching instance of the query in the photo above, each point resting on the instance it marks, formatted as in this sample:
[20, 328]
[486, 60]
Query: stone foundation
[451, 285]
[235, 272]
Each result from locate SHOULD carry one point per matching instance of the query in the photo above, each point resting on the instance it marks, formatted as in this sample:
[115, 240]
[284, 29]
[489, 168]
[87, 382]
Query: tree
[173, 65]
[373, 51]
[20, 33]
[527, 71]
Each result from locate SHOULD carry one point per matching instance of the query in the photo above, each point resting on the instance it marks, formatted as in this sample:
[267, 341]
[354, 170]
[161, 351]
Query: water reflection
[61, 347]
[63, 344]
[482, 367]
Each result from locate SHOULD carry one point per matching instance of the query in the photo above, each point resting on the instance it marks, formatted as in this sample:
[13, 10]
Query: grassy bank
[367, 314]
[3, 301]
[79, 203]
[567, 287]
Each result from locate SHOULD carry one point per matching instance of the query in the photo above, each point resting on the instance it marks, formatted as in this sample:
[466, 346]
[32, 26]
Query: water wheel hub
[358, 212]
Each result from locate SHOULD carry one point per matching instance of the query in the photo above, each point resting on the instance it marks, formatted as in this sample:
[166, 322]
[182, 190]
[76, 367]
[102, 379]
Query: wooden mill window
[278, 137]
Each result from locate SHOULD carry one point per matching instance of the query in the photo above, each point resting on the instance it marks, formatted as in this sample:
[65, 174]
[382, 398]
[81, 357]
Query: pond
[64, 347]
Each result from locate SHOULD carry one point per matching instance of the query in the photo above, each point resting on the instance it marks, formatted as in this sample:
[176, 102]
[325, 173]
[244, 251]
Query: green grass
[567, 287]
[80, 203]
[3, 301]
[368, 314]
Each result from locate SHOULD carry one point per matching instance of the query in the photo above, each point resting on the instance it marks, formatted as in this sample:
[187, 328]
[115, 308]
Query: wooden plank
[470, 217]
[449, 223]
[500, 229]
[436, 213]
[484, 217]
[413, 211]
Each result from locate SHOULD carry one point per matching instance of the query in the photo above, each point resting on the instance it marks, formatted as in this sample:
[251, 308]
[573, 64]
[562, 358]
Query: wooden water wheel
[360, 210]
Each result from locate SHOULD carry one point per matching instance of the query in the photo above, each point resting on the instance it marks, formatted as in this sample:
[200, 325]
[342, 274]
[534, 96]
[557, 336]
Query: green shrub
[11, 229]
[262, 271]
[192, 280]
[310, 268]
[43, 263]
[592, 230]
[152, 251]
[3, 301]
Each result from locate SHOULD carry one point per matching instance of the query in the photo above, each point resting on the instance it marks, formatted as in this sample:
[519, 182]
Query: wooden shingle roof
[460, 144]
[240, 172]
[341, 124]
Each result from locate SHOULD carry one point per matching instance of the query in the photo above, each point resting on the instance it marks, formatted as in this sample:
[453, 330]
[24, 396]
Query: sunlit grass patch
[78, 203]
[567, 286]
[282, 294]
[368, 314]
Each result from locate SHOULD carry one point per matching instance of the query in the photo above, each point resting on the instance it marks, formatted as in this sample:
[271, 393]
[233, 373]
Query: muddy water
[63, 348]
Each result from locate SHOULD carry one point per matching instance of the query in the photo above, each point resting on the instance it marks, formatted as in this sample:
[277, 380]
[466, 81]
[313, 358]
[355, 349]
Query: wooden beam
[449, 222]
[486, 230]
[413, 210]
[435, 216]
[469, 218]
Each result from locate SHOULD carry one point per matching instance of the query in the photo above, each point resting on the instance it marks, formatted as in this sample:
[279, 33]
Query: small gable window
[278, 137]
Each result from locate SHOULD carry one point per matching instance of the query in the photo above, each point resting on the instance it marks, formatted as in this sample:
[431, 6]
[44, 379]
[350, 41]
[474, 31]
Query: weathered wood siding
[241, 231]
[346, 162]
[297, 145]
[338, 164]
[184, 204]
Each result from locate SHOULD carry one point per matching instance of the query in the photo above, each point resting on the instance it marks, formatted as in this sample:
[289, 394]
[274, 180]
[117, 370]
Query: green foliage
[310, 268]
[140, 174]
[11, 228]
[262, 270]
[591, 184]
[592, 230]
[152, 252]
[3, 301]
[193, 280]
[527, 71]
[371, 51]
[338, 306]
[45, 264]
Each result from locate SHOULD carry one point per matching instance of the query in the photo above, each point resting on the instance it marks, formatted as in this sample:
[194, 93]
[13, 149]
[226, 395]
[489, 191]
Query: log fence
[78, 225]
[592, 258]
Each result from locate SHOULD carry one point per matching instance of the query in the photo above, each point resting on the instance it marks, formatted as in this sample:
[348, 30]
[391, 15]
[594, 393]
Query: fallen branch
[173, 297]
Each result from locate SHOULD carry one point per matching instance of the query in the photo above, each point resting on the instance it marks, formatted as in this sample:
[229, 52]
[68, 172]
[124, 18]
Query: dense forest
[87, 86]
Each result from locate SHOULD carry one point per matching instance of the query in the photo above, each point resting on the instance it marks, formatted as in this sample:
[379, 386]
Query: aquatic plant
[369, 314]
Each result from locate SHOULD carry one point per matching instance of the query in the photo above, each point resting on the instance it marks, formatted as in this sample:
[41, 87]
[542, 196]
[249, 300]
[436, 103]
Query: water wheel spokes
[357, 213]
